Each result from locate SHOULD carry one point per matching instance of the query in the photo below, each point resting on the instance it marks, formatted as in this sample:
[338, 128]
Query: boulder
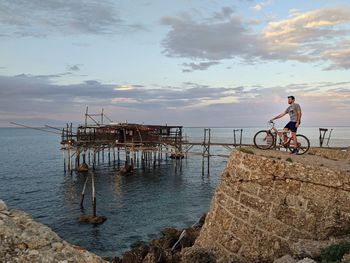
[83, 168]
[197, 255]
[92, 219]
[135, 255]
[3, 206]
[307, 260]
[285, 259]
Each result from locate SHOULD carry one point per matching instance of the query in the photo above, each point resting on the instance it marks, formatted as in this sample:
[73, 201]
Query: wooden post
[113, 157]
[154, 159]
[323, 132]
[94, 160]
[109, 155]
[240, 138]
[93, 196]
[83, 193]
[70, 160]
[89, 156]
[208, 151]
[64, 160]
[204, 142]
[118, 156]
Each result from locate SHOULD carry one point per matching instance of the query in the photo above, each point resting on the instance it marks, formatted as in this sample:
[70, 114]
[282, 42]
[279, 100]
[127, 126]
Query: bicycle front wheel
[303, 144]
[264, 139]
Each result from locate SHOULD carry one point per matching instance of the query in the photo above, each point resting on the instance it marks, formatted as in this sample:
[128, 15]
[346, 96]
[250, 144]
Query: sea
[138, 206]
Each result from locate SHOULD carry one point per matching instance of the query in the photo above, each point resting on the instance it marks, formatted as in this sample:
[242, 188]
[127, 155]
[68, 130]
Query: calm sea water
[137, 206]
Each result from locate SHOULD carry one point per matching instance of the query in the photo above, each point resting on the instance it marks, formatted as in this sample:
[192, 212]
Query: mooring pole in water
[204, 146]
[70, 160]
[118, 156]
[113, 157]
[98, 156]
[93, 195]
[83, 193]
[77, 156]
[64, 160]
[154, 159]
[89, 155]
[206, 149]
[94, 160]
[109, 155]
[209, 151]
[143, 160]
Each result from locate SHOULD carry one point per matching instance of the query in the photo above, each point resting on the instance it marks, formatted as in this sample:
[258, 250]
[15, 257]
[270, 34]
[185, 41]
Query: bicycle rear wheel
[264, 139]
[303, 144]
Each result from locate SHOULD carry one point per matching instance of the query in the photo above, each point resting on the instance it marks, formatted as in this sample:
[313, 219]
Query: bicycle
[267, 139]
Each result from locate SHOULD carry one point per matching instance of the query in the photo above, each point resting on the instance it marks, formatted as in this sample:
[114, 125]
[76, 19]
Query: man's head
[291, 99]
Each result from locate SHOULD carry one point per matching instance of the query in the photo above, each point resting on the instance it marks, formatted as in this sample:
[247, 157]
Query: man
[294, 112]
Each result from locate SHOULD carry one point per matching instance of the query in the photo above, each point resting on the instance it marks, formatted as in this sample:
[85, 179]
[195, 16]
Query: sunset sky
[183, 62]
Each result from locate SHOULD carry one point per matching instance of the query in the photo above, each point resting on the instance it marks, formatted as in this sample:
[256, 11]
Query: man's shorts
[291, 126]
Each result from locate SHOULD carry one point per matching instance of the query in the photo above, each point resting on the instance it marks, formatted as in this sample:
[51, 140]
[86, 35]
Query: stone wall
[263, 206]
[330, 153]
[24, 240]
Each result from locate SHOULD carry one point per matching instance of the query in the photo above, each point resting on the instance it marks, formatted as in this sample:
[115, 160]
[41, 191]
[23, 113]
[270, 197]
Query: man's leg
[285, 136]
[295, 142]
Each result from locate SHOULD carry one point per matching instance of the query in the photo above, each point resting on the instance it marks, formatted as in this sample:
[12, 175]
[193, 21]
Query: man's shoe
[295, 151]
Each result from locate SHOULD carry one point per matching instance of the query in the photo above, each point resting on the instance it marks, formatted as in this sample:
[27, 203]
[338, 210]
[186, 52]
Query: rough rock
[346, 258]
[24, 240]
[136, 255]
[312, 248]
[3, 206]
[197, 255]
[285, 259]
[307, 260]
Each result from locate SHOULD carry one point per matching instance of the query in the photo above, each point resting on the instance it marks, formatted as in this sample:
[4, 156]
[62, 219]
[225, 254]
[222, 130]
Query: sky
[181, 62]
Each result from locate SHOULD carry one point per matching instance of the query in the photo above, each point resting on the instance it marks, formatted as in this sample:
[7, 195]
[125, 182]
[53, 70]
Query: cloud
[199, 66]
[257, 7]
[37, 101]
[207, 40]
[74, 67]
[320, 35]
[40, 18]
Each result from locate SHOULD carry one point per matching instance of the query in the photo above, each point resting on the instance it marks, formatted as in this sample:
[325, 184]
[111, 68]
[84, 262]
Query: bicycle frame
[280, 133]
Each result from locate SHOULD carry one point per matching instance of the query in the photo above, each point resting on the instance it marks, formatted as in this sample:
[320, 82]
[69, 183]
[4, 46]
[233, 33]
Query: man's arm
[298, 119]
[279, 116]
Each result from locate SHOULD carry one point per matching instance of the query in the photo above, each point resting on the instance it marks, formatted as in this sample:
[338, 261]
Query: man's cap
[292, 97]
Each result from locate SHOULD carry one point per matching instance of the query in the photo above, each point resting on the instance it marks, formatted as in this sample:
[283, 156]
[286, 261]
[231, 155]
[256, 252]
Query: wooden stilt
[113, 157]
[64, 160]
[94, 160]
[83, 193]
[93, 196]
[109, 155]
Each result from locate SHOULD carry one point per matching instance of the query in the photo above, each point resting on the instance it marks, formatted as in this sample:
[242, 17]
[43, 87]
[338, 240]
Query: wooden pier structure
[91, 144]
[130, 144]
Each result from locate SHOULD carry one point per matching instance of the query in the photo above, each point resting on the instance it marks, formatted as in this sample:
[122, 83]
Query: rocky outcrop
[24, 240]
[264, 208]
[330, 153]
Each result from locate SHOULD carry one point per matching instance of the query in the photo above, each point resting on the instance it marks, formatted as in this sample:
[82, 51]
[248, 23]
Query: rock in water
[83, 167]
[92, 219]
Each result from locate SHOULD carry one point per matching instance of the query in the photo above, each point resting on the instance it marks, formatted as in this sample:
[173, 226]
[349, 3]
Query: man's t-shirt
[293, 110]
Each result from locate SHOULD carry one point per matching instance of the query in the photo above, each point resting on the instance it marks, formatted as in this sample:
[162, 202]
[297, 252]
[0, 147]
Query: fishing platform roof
[130, 126]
